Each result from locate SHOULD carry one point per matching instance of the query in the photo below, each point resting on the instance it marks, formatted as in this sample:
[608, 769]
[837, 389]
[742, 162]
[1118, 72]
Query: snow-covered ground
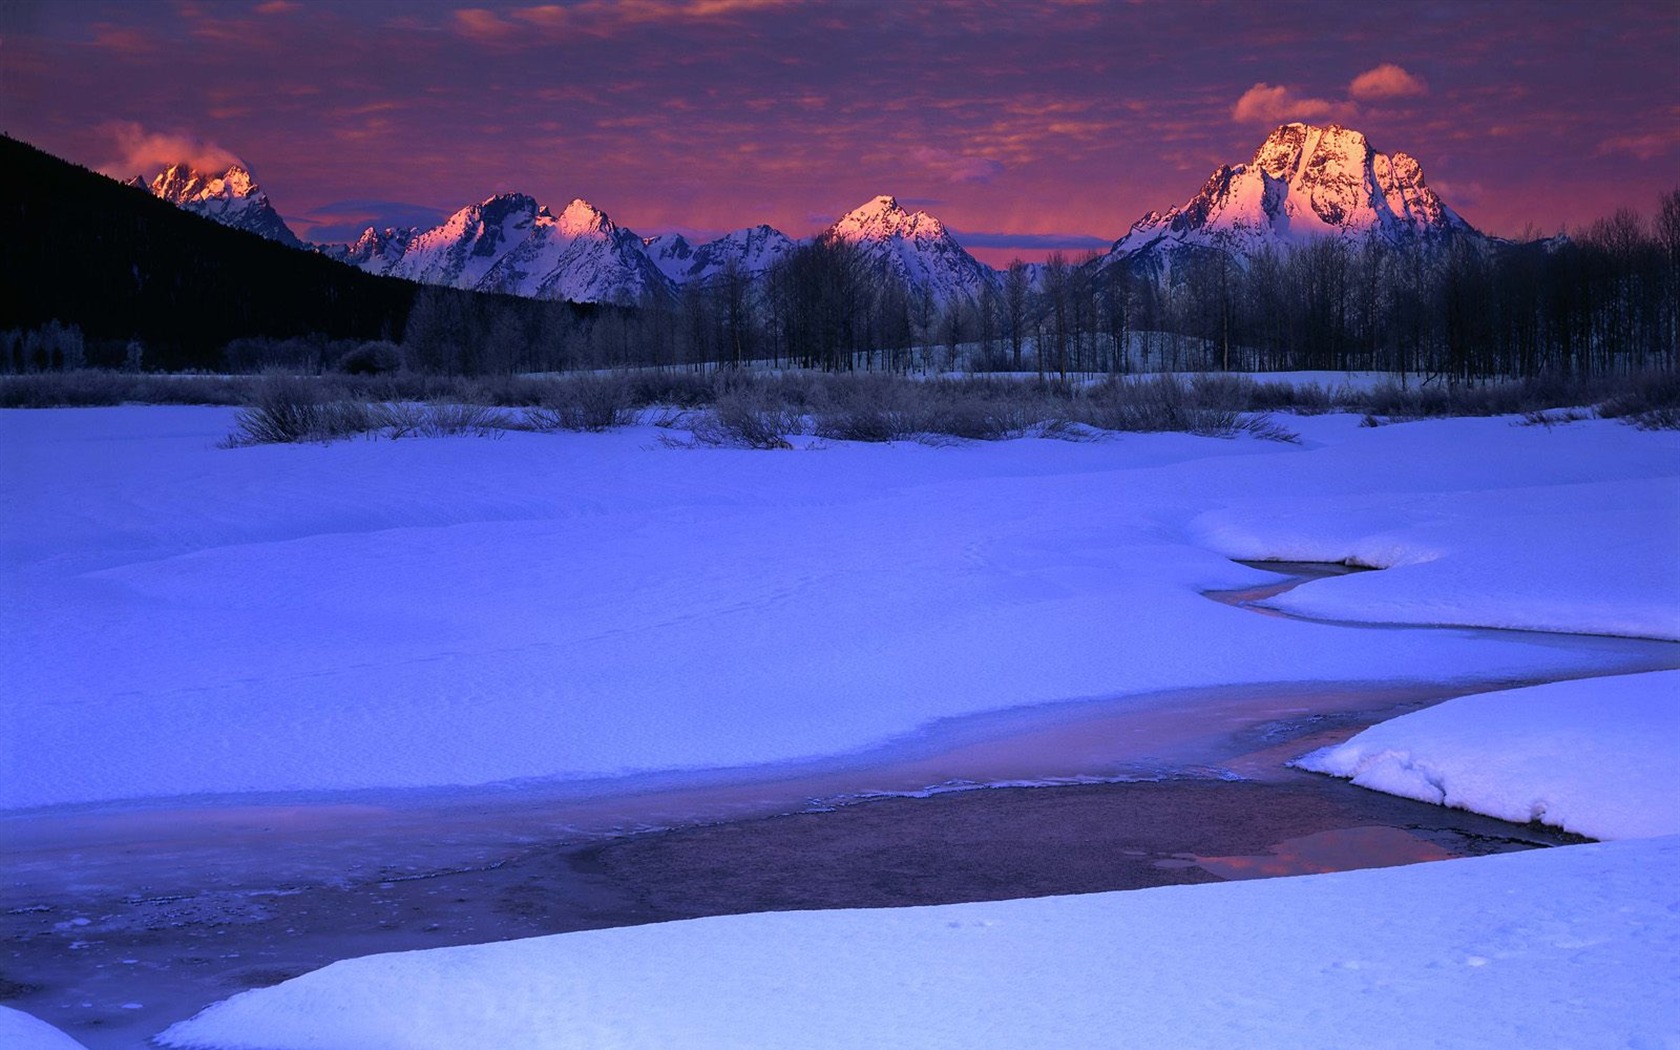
[20, 1031]
[191, 620]
[187, 619]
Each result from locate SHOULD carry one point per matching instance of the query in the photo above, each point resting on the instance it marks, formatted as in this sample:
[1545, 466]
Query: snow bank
[21, 1031]
[1480, 522]
[185, 619]
[1554, 948]
[1594, 757]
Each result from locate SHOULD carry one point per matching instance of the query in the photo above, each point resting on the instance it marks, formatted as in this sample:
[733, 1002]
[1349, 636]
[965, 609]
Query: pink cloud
[482, 25]
[145, 153]
[123, 39]
[1386, 81]
[1275, 104]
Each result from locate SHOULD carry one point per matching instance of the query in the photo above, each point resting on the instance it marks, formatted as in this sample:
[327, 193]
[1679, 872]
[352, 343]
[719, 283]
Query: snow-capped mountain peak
[913, 249]
[884, 218]
[231, 197]
[582, 218]
[1303, 182]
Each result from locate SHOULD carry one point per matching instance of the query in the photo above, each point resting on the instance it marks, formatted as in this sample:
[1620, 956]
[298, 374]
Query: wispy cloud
[123, 39]
[956, 168]
[1647, 146]
[594, 17]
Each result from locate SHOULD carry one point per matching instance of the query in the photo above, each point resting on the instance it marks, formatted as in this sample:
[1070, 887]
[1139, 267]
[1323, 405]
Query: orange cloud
[1386, 81]
[145, 153]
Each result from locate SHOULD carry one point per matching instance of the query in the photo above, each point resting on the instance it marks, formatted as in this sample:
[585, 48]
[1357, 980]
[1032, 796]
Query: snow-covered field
[187, 620]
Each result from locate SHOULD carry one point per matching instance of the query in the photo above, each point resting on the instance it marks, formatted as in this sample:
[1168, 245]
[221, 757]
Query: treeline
[1603, 301]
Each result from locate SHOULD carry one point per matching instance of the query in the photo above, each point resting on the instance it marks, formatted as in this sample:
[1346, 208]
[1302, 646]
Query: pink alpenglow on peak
[231, 197]
[510, 243]
[882, 218]
[1304, 182]
[582, 218]
[913, 249]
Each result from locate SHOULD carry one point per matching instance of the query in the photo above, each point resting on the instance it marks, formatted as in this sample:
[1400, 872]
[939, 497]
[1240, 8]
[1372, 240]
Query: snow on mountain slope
[752, 250]
[1304, 182]
[375, 250]
[672, 253]
[231, 198]
[914, 248]
[509, 243]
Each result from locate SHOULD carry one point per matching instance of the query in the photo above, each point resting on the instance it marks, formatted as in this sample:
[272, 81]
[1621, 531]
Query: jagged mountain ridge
[509, 243]
[752, 251]
[1303, 183]
[231, 198]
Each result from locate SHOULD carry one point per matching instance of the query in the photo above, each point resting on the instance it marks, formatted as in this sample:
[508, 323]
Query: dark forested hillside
[123, 266]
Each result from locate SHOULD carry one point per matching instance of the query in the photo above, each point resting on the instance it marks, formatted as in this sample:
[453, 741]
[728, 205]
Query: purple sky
[1024, 127]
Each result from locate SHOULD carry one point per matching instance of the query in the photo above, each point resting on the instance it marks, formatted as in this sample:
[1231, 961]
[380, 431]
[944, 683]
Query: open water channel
[120, 920]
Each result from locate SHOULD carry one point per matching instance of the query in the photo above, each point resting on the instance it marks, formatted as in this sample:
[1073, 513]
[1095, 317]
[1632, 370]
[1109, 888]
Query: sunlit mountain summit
[1304, 183]
[231, 197]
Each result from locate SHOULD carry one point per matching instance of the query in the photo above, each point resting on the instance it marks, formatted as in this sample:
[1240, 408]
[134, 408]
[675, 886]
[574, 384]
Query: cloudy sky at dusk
[1023, 126]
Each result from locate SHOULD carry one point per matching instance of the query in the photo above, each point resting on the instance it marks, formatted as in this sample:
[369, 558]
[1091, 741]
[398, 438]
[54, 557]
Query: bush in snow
[588, 402]
[286, 409]
[371, 359]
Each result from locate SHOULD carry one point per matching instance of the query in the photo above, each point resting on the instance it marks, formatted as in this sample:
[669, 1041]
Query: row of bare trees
[1603, 300]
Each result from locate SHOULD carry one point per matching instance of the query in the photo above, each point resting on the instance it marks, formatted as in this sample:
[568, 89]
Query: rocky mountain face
[916, 249]
[751, 252]
[511, 244]
[231, 198]
[1303, 183]
[375, 250]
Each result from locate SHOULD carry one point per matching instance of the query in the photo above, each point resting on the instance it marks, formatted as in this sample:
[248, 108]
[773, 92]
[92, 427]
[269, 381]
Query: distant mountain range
[1304, 183]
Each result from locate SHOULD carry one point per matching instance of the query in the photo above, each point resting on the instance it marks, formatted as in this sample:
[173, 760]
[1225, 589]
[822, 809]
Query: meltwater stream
[120, 920]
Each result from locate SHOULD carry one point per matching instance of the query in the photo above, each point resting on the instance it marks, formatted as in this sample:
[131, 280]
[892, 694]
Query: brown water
[120, 920]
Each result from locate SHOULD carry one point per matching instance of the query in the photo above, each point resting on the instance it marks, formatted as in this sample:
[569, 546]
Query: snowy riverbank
[198, 621]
